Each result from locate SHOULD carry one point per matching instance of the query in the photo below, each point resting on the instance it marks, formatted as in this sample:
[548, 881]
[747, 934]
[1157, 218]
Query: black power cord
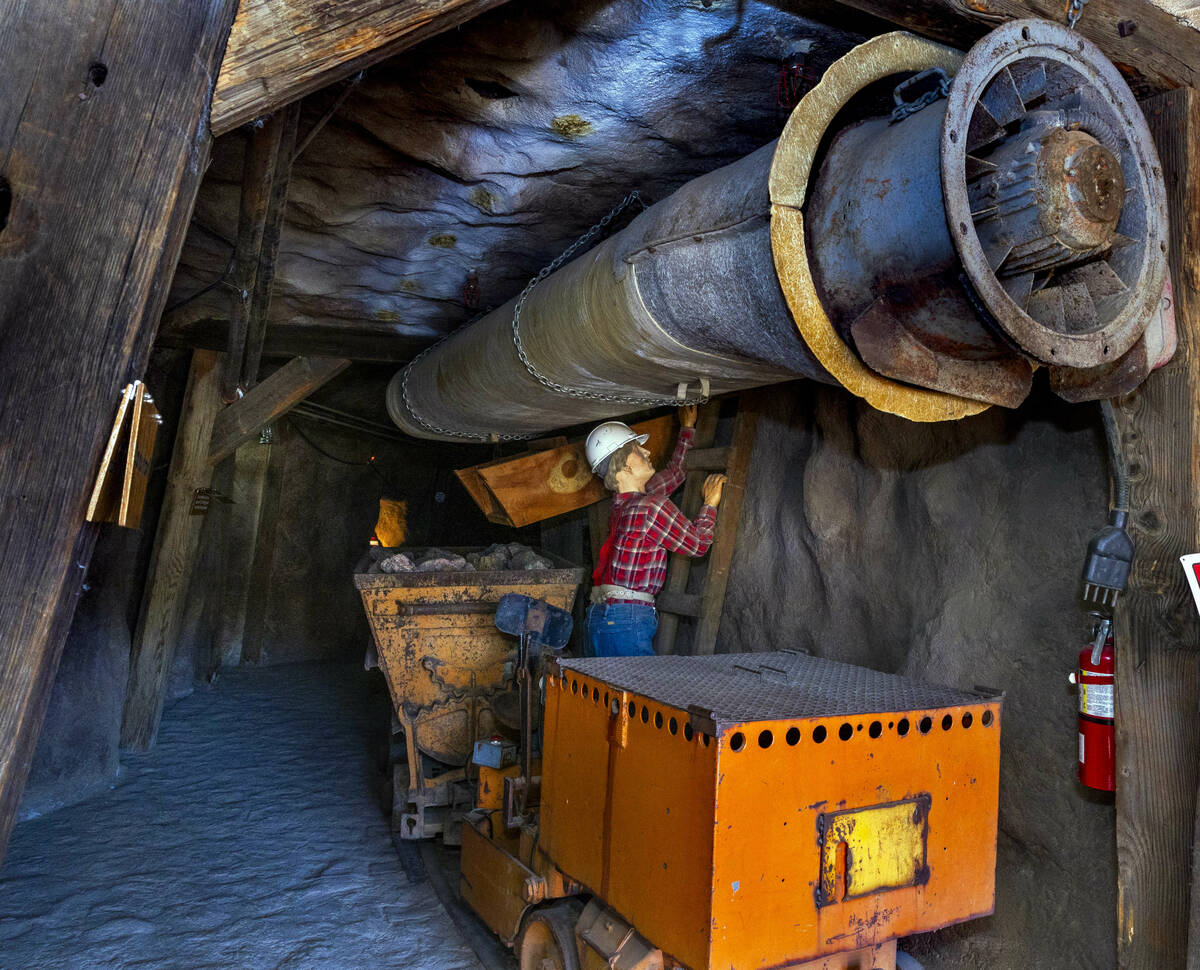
[1110, 553]
[369, 463]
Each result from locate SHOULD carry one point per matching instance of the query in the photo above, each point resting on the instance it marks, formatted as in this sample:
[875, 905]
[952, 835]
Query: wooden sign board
[529, 488]
[119, 494]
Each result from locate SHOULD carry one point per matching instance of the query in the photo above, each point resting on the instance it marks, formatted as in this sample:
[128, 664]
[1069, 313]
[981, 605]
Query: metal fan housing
[1074, 277]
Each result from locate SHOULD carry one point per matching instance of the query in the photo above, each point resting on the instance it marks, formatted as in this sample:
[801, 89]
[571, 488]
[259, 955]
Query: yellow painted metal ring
[880, 57]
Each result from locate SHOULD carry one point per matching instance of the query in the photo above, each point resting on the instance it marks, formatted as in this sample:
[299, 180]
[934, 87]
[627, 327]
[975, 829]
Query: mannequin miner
[645, 527]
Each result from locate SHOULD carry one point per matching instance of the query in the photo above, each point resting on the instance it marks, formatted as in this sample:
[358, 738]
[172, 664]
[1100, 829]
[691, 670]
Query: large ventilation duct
[927, 260]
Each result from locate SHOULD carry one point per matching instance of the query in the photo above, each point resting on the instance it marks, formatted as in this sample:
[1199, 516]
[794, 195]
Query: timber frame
[129, 90]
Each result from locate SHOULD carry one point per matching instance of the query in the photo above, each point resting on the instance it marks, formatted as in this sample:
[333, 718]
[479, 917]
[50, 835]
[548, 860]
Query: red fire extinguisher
[1096, 677]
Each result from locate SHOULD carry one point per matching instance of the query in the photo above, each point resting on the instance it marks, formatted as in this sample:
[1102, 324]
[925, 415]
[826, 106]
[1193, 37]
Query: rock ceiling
[451, 174]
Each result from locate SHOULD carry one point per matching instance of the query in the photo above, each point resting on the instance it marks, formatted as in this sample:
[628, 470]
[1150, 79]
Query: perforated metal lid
[767, 686]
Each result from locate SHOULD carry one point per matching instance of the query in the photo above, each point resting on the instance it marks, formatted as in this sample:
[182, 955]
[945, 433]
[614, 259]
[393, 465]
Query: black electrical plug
[1110, 553]
[1109, 558]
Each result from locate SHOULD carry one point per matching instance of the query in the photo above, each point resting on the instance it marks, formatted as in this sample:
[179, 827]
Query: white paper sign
[1191, 567]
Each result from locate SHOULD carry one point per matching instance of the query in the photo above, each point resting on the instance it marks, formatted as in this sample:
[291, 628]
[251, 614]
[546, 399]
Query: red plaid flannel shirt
[648, 526]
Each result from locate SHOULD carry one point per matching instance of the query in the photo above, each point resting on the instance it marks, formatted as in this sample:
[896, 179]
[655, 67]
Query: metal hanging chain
[586, 239]
[904, 108]
[1074, 12]
[436, 429]
[583, 241]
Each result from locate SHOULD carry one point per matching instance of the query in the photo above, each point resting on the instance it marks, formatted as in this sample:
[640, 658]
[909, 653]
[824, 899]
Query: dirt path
[249, 837]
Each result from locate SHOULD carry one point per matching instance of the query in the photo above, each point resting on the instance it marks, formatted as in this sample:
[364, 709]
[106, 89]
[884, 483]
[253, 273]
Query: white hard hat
[607, 438]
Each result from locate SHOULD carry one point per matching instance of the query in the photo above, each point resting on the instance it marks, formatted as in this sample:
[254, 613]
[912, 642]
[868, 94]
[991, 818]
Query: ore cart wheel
[547, 940]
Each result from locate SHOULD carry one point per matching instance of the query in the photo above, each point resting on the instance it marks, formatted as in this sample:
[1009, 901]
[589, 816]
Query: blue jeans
[622, 629]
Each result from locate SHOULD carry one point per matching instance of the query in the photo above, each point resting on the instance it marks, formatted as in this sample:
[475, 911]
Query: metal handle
[433, 609]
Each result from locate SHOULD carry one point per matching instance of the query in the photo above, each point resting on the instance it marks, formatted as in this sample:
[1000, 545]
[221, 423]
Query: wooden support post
[271, 399]
[249, 485]
[721, 556]
[257, 627]
[175, 546]
[1157, 632]
[679, 569]
[598, 525]
[260, 303]
[102, 146]
[258, 182]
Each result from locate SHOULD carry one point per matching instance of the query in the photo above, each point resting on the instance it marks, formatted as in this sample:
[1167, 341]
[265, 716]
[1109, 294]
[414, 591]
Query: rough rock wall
[453, 173]
[951, 553]
[77, 750]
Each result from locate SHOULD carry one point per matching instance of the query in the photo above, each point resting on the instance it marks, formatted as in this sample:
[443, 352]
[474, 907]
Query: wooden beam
[1155, 39]
[102, 146]
[175, 546]
[1157, 630]
[271, 399]
[281, 50]
[380, 344]
[287, 121]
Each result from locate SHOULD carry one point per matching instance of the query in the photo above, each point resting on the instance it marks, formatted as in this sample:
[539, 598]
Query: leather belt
[607, 593]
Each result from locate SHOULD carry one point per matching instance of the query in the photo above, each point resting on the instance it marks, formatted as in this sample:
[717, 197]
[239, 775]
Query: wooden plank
[175, 545]
[286, 121]
[281, 50]
[1158, 733]
[539, 485]
[1158, 42]
[102, 146]
[720, 556]
[477, 488]
[105, 502]
[270, 400]
[143, 433]
[679, 568]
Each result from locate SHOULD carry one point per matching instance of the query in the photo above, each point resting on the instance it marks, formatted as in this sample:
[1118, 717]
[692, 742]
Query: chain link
[1074, 12]
[905, 108]
[583, 241]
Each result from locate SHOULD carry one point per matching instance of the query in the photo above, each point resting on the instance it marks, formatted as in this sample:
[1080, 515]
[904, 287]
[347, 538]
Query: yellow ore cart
[448, 670]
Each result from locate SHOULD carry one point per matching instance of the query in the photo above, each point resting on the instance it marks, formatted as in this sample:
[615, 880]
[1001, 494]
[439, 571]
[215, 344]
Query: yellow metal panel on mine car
[867, 849]
[492, 882]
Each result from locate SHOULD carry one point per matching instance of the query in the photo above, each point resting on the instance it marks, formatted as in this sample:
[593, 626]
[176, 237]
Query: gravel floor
[249, 837]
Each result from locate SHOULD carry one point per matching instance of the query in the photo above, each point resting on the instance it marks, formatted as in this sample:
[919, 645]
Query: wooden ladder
[697, 597]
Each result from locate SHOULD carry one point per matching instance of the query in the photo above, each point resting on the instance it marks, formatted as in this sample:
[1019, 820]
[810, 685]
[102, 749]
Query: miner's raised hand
[687, 416]
[712, 489]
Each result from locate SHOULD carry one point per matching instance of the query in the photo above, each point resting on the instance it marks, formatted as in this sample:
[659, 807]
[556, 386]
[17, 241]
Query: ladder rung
[707, 459]
[681, 604]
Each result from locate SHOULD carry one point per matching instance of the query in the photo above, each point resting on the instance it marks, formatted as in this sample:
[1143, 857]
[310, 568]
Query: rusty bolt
[1126, 27]
[534, 889]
